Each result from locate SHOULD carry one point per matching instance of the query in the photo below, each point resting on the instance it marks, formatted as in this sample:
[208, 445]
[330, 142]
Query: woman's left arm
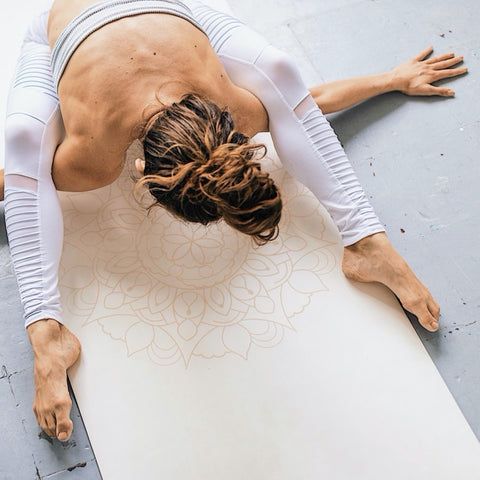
[414, 77]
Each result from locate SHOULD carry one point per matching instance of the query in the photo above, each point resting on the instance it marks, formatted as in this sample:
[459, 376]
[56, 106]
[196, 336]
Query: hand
[56, 349]
[415, 77]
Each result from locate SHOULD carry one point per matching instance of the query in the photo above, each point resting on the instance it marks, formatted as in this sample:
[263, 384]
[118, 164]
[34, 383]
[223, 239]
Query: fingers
[423, 54]
[445, 92]
[450, 72]
[440, 58]
[446, 62]
[430, 90]
[450, 56]
[440, 91]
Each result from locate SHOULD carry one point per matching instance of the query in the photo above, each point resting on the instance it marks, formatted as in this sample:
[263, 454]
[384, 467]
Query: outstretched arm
[414, 77]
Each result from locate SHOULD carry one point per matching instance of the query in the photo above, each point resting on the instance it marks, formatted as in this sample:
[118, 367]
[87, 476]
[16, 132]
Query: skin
[140, 60]
[414, 77]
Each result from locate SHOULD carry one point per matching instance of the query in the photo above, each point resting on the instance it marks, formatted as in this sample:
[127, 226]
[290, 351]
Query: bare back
[116, 79]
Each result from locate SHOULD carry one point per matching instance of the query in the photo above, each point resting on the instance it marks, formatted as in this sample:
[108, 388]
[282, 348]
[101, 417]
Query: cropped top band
[100, 14]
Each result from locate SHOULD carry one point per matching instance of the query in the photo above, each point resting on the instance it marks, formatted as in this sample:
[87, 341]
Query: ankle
[374, 241]
[45, 333]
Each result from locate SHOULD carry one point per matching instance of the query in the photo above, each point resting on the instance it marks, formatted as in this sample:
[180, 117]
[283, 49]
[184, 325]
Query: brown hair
[201, 170]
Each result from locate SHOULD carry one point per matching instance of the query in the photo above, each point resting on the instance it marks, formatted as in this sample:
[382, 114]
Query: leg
[309, 149]
[33, 130]
[35, 226]
[2, 184]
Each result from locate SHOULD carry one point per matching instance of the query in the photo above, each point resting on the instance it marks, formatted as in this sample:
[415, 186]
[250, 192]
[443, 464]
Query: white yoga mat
[205, 358]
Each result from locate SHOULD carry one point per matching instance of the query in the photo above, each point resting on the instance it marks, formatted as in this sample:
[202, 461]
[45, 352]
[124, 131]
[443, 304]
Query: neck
[249, 115]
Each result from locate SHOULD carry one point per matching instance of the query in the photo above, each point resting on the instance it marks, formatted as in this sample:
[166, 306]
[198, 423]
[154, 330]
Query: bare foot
[373, 259]
[56, 349]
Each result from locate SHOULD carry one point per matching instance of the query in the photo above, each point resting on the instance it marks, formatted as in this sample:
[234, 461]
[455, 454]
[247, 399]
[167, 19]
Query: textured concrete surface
[417, 159]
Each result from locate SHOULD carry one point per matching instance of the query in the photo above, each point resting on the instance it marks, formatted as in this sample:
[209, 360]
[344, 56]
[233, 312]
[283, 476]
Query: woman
[193, 84]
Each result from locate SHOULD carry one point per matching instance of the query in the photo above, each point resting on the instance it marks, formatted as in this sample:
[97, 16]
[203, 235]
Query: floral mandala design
[176, 291]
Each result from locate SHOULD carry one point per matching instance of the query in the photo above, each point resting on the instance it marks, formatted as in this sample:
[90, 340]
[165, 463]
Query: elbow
[282, 71]
[23, 134]
[279, 66]
[23, 142]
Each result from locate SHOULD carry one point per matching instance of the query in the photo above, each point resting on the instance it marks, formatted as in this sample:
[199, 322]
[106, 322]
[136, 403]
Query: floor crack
[68, 469]
[37, 473]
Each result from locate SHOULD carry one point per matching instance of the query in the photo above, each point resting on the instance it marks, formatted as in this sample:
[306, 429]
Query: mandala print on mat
[178, 291]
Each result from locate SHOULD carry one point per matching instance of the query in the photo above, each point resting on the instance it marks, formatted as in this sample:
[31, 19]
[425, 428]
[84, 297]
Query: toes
[434, 309]
[56, 423]
[430, 324]
[427, 311]
[427, 320]
[48, 425]
[64, 424]
[64, 430]
[432, 315]
[45, 422]
[64, 434]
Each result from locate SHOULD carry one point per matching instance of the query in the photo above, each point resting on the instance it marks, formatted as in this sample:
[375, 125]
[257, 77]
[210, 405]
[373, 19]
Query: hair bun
[201, 170]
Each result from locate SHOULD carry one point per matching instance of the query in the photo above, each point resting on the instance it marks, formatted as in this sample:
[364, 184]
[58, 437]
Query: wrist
[397, 81]
[389, 81]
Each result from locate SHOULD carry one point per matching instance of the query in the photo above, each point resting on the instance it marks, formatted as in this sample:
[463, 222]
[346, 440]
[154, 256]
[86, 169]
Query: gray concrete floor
[417, 159]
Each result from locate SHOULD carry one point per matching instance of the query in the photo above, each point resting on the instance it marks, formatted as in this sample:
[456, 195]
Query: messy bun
[201, 170]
